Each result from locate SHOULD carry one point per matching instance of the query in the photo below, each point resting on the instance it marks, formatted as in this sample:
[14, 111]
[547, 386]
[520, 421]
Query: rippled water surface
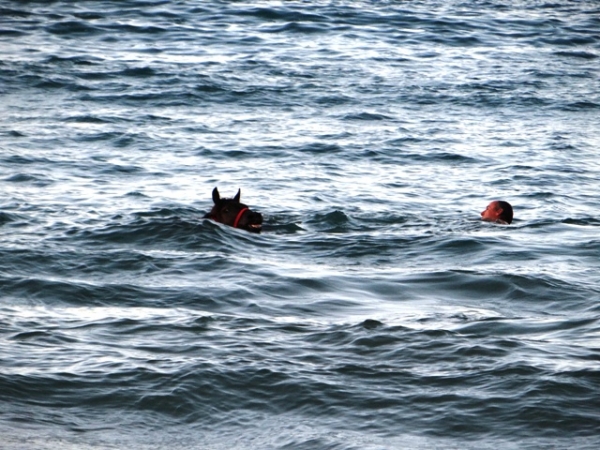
[375, 310]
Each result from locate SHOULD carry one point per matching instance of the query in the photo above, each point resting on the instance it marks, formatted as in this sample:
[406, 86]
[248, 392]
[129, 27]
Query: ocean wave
[376, 309]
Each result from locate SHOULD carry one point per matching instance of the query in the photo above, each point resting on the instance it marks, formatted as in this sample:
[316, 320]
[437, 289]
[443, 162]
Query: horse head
[230, 211]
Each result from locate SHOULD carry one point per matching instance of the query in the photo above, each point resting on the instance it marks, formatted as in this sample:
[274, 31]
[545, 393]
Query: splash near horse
[230, 211]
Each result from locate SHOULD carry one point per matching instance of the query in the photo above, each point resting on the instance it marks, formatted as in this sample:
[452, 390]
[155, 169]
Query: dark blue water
[376, 310]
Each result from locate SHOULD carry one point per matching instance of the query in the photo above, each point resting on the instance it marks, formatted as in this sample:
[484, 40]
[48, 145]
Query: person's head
[498, 211]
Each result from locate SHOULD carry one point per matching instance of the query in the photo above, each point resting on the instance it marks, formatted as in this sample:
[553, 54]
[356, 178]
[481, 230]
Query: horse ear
[238, 195]
[216, 196]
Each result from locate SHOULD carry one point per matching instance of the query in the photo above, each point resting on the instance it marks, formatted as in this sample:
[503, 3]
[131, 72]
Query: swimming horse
[230, 211]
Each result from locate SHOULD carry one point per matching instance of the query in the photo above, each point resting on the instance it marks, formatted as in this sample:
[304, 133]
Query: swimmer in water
[499, 212]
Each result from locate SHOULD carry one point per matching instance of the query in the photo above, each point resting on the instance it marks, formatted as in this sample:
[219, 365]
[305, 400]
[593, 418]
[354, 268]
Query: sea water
[375, 310]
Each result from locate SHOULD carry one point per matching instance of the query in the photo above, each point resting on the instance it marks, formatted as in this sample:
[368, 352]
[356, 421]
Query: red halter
[238, 217]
